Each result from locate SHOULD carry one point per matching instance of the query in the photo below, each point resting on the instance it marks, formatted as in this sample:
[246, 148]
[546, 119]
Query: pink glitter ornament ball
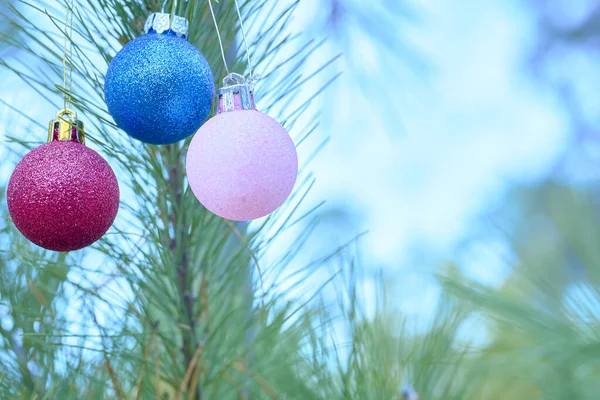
[62, 195]
[241, 164]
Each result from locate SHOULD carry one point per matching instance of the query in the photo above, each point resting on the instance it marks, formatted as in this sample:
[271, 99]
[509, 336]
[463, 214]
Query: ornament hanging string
[173, 6]
[250, 67]
[68, 54]
[212, 12]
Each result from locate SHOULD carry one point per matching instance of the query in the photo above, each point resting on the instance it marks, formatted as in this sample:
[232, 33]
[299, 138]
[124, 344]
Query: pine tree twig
[107, 364]
[113, 377]
[178, 246]
[262, 382]
[144, 361]
[39, 296]
[190, 370]
[194, 385]
[157, 370]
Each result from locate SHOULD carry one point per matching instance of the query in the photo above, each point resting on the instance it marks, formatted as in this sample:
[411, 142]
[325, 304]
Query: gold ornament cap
[66, 127]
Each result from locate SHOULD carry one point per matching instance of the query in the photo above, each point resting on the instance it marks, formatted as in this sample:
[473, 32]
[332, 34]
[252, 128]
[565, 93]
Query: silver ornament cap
[237, 93]
[164, 22]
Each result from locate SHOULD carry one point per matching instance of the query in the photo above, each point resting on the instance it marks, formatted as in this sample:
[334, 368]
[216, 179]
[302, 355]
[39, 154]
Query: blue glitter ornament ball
[159, 88]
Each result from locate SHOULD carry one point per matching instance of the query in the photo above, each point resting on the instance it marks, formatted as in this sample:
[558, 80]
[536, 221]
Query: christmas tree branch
[178, 246]
[178, 263]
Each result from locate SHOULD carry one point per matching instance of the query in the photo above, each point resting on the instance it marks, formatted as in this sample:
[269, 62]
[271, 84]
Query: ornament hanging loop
[234, 79]
[67, 59]
[237, 79]
[173, 6]
[250, 67]
[66, 127]
[214, 18]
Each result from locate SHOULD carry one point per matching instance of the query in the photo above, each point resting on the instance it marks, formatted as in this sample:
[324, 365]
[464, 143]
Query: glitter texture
[242, 165]
[159, 88]
[63, 196]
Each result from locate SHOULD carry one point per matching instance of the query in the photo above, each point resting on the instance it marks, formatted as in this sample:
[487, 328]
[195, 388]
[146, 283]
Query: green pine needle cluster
[176, 303]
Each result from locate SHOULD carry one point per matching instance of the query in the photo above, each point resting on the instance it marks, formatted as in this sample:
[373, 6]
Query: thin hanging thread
[68, 55]
[237, 7]
[174, 7]
[212, 12]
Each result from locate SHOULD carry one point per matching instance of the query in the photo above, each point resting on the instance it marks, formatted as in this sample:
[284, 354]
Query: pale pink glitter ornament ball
[241, 164]
[63, 196]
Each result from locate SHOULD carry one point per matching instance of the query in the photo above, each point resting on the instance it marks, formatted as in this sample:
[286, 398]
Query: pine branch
[173, 264]
[178, 246]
